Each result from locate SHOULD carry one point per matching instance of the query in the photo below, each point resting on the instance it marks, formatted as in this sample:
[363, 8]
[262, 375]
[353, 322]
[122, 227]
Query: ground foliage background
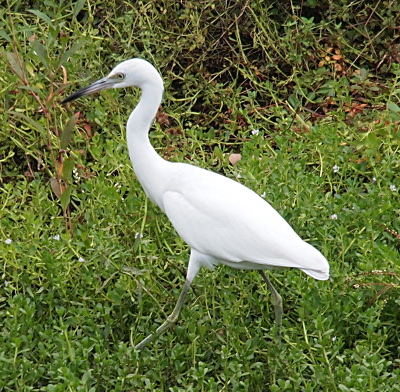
[307, 92]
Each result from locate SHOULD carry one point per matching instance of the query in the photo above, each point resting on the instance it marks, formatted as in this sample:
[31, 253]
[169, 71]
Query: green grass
[89, 266]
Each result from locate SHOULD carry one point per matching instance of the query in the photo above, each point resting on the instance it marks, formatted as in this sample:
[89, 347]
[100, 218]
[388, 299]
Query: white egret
[221, 220]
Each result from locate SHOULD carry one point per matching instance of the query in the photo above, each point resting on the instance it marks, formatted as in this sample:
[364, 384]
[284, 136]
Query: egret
[222, 221]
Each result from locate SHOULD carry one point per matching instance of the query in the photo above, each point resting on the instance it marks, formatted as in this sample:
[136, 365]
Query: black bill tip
[72, 97]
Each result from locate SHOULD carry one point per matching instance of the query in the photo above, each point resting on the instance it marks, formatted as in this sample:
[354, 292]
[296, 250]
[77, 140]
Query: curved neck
[147, 164]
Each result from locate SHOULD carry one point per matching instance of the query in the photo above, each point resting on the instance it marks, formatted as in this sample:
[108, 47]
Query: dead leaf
[68, 130]
[88, 128]
[55, 186]
[234, 158]
[338, 67]
[161, 117]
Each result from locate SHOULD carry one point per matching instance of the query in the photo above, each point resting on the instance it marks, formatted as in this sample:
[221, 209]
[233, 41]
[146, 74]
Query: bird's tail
[322, 274]
[319, 265]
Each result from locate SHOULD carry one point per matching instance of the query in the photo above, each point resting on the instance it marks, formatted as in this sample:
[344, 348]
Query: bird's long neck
[147, 164]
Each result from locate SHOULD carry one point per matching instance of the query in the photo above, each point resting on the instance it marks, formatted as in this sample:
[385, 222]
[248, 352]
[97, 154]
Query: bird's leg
[171, 319]
[276, 300]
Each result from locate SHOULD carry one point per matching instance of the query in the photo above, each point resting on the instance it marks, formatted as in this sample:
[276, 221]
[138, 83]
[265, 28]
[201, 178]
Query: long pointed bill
[93, 88]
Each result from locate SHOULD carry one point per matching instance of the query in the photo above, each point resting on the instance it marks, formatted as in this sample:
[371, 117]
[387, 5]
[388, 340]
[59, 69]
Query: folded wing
[221, 218]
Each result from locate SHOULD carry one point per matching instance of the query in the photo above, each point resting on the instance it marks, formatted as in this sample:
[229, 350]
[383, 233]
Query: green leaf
[30, 88]
[43, 16]
[40, 51]
[74, 48]
[67, 132]
[66, 197]
[16, 64]
[78, 6]
[5, 36]
[293, 101]
[311, 96]
[393, 107]
[34, 124]
[68, 166]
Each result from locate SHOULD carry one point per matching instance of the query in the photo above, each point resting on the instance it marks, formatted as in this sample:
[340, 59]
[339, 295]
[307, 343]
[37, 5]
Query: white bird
[221, 220]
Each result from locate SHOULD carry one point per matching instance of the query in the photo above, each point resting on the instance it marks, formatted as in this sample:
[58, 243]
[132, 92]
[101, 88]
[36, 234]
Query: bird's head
[130, 73]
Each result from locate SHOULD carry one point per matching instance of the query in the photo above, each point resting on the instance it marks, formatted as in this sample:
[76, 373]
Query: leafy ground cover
[306, 92]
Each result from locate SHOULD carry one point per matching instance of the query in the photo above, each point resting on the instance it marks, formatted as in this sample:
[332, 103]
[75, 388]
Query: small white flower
[263, 195]
[333, 338]
[56, 237]
[334, 216]
[8, 241]
[138, 235]
[377, 272]
[393, 188]
[81, 259]
[255, 131]
[373, 179]
[76, 175]
[5, 283]
[335, 168]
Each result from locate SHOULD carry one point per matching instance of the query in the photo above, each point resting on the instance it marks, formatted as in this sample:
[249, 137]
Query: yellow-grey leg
[276, 300]
[171, 319]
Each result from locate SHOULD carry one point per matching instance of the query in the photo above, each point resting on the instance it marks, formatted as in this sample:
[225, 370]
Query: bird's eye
[120, 76]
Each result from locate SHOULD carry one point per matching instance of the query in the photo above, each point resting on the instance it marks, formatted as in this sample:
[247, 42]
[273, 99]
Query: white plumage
[221, 220]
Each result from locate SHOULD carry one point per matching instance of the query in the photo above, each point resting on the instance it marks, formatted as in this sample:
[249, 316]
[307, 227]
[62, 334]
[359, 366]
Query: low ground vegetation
[307, 93]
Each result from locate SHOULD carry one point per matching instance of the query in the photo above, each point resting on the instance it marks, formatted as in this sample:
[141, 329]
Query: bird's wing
[224, 219]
